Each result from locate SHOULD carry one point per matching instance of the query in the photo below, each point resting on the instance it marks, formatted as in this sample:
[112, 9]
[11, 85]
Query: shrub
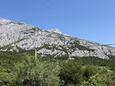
[7, 77]
[38, 73]
[70, 73]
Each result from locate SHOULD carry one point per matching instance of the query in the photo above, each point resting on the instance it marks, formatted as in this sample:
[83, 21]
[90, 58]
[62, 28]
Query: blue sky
[88, 19]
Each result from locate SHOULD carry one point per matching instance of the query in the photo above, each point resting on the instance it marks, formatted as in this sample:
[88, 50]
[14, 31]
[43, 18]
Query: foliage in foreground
[23, 69]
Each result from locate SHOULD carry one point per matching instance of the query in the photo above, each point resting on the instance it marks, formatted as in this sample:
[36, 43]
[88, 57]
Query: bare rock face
[14, 35]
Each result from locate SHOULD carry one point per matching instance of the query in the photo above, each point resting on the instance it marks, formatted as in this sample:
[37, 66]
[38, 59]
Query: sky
[87, 19]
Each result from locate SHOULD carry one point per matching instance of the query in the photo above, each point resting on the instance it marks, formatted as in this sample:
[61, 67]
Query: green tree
[38, 73]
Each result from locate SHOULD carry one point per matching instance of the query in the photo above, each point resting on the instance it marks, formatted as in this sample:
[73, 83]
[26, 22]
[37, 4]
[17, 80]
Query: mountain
[16, 35]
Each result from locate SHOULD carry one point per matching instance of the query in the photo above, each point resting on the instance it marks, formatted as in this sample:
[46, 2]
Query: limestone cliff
[14, 35]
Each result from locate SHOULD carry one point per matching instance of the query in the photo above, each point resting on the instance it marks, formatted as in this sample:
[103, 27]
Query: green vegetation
[23, 69]
[35, 28]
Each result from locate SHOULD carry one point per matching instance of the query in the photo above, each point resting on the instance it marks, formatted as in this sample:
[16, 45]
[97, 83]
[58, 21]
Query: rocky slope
[15, 35]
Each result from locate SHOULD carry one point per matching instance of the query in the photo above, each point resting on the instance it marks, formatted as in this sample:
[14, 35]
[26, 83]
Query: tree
[38, 73]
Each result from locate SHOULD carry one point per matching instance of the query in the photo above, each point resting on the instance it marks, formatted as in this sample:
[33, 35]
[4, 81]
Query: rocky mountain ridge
[14, 35]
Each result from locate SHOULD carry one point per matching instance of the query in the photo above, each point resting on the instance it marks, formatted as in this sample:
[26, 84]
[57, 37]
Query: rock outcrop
[14, 35]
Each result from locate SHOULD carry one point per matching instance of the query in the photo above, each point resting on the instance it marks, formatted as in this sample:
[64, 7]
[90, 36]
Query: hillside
[30, 56]
[23, 69]
[15, 35]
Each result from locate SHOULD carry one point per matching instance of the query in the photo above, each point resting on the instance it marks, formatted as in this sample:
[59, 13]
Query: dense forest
[24, 69]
